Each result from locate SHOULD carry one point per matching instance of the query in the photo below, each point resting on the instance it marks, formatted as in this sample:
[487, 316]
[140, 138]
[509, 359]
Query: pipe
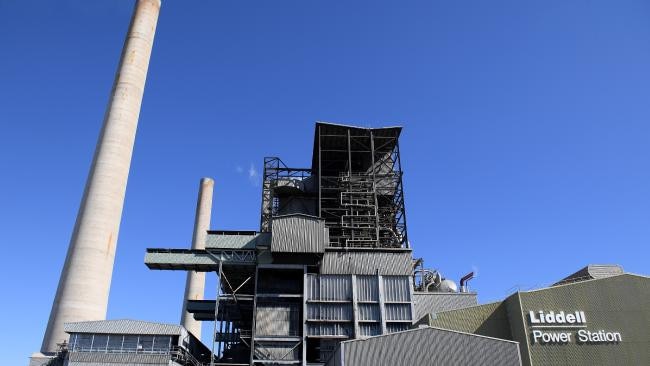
[464, 280]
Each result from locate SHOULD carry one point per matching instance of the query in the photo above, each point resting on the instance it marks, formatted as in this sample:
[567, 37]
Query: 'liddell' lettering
[561, 317]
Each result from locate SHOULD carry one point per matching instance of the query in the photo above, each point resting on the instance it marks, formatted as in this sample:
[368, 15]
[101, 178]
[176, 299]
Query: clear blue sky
[526, 142]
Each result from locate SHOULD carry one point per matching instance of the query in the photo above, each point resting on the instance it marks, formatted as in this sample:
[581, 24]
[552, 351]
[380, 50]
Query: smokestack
[195, 284]
[85, 281]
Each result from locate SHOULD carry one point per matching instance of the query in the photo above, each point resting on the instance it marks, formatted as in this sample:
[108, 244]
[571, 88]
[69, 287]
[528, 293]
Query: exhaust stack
[464, 280]
[83, 289]
[195, 283]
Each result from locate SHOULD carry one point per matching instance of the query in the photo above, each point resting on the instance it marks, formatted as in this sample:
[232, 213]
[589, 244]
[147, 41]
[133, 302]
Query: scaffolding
[354, 184]
[331, 261]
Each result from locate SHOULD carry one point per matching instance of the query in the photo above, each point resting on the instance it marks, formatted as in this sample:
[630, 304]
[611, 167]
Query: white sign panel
[550, 327]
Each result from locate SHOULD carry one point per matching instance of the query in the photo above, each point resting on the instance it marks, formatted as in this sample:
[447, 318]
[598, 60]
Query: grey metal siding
[369, 312]
[367, 288]
[434, 302]
[329, 288]
[330, 329]
[369, 329]
[397, 288]
[367, 263]
[298, 234]
[338, 312]
[398, 312]
[429, 346]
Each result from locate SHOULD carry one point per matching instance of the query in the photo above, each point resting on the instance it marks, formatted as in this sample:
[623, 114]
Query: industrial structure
[82, 293]
[599, 315]
[331, 261]
[329, 277]
[131, 342]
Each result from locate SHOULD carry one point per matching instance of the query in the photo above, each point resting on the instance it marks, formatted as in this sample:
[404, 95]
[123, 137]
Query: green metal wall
[616, 304]
[620, 303]
[489, 320]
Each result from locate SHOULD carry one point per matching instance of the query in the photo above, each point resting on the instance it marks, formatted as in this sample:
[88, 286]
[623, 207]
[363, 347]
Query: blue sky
[526, 142]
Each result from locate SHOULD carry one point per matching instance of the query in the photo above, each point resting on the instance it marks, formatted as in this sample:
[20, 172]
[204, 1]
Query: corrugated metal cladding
[614, 304]
[397, 288]
[369, 312]
[324, 311]
[329, 288]
[489, 320]
[330, 329]
[367, 263]
[239, 241]
[398, 312]
[98, 358]
[427, 346]
[434, 302]
[367, 288]
[369, 329]
[593, 271]
[298, 234]
[123, 326]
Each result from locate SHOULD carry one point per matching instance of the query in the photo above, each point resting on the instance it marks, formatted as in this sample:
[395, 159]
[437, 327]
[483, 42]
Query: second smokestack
[195, 283]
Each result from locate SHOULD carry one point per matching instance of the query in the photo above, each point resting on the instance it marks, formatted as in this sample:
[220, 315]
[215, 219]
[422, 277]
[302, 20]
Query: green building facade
[583, 320]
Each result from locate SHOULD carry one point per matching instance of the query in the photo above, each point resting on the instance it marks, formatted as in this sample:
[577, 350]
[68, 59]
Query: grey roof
[593, 272]
[123, 326]
[237, 241]
[427, 346]
[196, 260]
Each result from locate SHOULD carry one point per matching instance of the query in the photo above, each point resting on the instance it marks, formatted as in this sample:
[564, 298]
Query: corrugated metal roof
[367, 262]
[114, 359]
[427, 346]
[237, 241]
[593, 272]
[196, 260]
[123, 326]
[298, 233]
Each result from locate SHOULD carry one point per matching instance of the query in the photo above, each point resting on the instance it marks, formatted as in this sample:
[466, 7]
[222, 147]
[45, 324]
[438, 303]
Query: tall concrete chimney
[195, 284]
[85, 281]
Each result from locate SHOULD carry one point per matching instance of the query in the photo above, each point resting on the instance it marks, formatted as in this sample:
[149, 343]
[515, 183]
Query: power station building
[329, 276]
[329, 279]
[331, 261]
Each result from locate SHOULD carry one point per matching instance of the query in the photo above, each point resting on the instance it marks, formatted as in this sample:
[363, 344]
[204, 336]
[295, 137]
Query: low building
[130, 342]
[597, 316]
[427, 346]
